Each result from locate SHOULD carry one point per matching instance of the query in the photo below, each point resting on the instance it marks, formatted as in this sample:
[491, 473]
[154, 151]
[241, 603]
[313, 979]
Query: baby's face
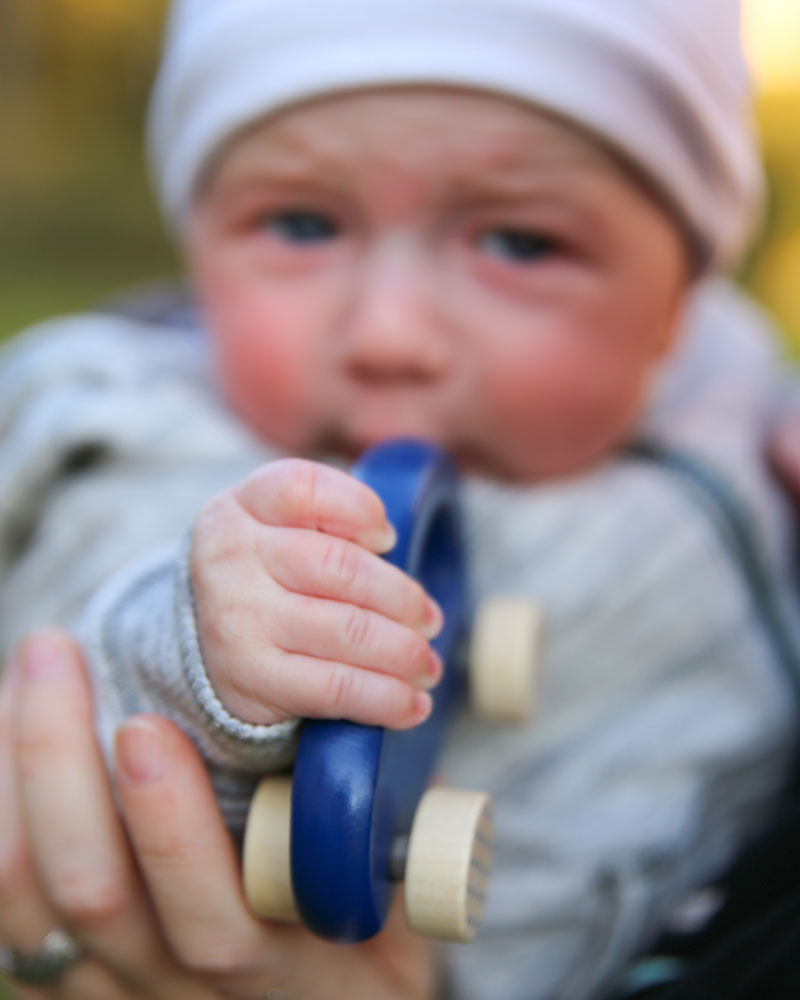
[434, 263]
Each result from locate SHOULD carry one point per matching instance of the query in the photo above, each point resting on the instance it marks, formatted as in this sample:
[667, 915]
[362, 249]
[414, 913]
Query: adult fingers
[319, 565]
[85, 981]
[297, 493]
[188, 859]
[25, 917]
[80, 852]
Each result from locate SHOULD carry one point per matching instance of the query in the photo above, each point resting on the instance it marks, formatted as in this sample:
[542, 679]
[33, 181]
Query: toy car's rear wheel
[448, 863]
[266, 854]
[503, 658]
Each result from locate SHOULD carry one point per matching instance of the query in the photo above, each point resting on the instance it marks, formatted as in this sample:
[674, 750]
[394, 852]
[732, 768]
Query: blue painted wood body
[356, 788]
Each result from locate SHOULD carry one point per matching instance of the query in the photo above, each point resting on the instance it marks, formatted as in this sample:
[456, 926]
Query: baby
[496, 225]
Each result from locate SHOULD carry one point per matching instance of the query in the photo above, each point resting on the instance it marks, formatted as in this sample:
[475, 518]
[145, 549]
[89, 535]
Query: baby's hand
[297, 614]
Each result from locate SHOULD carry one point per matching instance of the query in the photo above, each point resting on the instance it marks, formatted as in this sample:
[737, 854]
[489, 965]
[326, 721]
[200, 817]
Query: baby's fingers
[328, 689]
[327, 659]
[295, 493]
[338, 631]
[318, 565]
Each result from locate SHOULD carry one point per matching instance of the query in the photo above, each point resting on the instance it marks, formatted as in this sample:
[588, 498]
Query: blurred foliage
[773, 271]
[78, 222]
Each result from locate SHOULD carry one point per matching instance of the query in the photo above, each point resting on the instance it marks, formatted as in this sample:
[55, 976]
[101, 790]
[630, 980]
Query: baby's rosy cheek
[254, 339]
[261, 361]
[266, 378]
[517, 394]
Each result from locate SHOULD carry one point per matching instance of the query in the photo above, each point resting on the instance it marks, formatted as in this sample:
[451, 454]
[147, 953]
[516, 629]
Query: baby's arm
[297, 614]
[111, 442]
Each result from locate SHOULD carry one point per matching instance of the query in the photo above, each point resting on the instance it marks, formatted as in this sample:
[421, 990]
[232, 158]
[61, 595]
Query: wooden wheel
[503, 658]
[266, 855]
[447, 869]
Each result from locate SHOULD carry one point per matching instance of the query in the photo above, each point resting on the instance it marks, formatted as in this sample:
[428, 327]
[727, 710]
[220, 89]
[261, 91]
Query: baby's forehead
[458, 132]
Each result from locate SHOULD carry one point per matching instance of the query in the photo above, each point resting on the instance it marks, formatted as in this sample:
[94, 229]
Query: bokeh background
[76, 218]
[772, 36]
[77, 223]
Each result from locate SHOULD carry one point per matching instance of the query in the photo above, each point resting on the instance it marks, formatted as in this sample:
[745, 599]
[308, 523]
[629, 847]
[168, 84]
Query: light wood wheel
[266, 855]
[503, 658]
[449, 858]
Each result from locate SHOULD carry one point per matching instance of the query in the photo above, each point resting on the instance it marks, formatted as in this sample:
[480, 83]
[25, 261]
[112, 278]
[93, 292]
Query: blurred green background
[77, 223]
[76, 218]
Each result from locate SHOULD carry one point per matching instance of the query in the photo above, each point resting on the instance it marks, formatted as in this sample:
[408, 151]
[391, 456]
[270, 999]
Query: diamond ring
[57, 953]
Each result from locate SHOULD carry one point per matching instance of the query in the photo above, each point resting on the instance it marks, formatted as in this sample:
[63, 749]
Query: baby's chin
[343, 442]
[518, 462]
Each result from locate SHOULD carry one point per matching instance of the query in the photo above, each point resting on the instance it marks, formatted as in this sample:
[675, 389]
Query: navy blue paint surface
[356, 788]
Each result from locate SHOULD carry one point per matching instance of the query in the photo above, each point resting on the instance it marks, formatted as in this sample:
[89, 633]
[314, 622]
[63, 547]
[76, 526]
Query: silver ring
[57, 953]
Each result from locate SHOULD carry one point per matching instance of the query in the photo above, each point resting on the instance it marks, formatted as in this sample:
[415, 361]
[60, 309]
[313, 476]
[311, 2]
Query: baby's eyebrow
[248, 181]
[533, 185]
[499, 187]
[529, 172]
[259, 169]
[547, 173]
[288, 158]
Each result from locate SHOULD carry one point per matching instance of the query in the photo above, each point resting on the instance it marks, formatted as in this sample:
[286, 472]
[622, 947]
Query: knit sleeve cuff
[248, 740]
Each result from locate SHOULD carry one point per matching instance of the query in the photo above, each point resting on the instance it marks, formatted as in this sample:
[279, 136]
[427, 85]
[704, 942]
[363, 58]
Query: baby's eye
[299, 225]
[518, 245]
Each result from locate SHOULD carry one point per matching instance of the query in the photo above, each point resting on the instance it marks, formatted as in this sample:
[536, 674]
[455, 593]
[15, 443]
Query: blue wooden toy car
[330, 844]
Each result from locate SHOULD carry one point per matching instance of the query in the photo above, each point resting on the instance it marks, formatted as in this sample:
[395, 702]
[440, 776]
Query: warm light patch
[772, 39]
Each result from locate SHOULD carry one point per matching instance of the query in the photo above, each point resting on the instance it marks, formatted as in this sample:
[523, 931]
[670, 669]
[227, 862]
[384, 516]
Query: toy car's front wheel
[448, 863]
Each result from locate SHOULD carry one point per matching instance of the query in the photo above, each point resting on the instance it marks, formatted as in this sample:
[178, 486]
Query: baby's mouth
[468, 456]
[351, 443]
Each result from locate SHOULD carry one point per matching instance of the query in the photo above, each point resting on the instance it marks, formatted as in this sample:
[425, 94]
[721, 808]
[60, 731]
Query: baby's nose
[390, 330]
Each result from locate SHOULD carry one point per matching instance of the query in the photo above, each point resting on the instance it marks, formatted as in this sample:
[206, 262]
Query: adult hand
[156, 905]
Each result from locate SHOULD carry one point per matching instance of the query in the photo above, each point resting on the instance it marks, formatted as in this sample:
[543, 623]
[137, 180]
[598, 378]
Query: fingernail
[423, 705]
[434, 672]
[433, 620]
[141, 754]
[41, 656]
[381, 539]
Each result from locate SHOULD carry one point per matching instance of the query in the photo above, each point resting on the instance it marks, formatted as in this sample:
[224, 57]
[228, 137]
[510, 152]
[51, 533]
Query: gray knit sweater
[665, 716]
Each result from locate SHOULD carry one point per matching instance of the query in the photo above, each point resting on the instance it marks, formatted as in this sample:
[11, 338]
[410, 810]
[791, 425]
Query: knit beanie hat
[662, 82]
